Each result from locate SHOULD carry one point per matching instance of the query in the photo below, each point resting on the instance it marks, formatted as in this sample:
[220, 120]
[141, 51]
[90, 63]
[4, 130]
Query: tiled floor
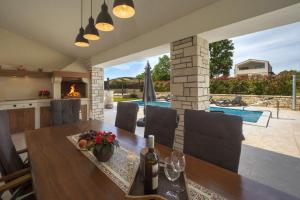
[270, 168]
[282, 135]
[280, 170]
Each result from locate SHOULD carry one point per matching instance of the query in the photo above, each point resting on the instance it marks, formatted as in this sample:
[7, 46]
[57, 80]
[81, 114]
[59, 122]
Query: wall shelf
[69, 74]
[24, 73]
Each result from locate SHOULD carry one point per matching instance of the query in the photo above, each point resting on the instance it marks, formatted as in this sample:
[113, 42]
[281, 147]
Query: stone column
[56, 87]
[96, 93]
[189, 79]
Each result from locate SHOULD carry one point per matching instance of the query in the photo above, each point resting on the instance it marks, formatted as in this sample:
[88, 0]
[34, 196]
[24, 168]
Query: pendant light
[80, 41]
[123, 8]
[104, 21]
[90, 32]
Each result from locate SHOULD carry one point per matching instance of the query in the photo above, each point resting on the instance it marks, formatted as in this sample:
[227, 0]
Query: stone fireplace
[70, 85]
[73, 88]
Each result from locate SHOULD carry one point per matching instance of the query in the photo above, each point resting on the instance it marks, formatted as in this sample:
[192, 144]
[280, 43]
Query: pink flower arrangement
[44, 93]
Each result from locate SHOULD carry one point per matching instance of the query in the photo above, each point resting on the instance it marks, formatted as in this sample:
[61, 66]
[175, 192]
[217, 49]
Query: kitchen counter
[31, 101]
[37, 104]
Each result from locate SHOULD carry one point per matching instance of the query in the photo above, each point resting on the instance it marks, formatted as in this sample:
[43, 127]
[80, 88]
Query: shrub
[278, 85]
[162, 86]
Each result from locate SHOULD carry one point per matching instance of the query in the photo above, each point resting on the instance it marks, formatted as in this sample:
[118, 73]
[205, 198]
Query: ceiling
[55, 23]
[16, 50]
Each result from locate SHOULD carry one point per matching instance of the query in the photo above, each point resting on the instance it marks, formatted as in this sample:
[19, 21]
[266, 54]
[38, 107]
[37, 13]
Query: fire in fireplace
[73, 92]
[73, 89]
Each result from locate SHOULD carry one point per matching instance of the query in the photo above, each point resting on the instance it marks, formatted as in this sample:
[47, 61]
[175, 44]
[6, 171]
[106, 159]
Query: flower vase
[103, 153]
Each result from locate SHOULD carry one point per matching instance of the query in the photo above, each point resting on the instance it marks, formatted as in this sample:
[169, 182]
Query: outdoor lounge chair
[15, 173]
[213, 137]
[237, 101]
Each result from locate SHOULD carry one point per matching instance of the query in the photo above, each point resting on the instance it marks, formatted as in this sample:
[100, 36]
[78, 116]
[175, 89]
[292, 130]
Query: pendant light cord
[81, 14]
[91, 8]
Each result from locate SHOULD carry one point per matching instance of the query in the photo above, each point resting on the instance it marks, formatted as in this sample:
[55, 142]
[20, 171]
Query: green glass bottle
[151, 168]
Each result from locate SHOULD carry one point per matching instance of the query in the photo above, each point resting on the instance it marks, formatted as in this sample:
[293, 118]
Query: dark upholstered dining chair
[161, 122]
[15, 174]
[213, 137]
[65, 111]
[126, 116]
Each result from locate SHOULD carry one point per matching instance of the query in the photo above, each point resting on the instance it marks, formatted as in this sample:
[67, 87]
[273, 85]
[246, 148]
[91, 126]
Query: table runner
[122, 167]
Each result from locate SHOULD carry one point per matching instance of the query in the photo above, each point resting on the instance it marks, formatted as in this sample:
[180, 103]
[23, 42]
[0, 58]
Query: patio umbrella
[148, 94]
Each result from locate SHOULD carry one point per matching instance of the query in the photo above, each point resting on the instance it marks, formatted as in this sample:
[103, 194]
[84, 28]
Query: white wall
[16, 88]
[17, 50]
[76, 66]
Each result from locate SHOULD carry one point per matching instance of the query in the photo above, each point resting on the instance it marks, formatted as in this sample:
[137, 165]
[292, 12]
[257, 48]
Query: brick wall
[97, 93]
[189, 79]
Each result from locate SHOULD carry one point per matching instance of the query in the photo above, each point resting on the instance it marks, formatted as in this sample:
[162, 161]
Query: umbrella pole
[145, 106]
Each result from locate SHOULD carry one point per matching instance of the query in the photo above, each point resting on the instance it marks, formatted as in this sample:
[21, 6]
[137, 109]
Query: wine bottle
[151, 168]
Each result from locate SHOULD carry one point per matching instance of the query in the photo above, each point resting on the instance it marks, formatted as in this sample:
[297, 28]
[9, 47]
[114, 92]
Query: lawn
[118, 99]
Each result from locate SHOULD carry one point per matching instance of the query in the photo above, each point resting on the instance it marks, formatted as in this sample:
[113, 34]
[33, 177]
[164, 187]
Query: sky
[130, 69]
[280, 46]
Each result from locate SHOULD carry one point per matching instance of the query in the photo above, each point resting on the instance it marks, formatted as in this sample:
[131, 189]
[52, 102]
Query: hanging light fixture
[123, 8]
[80, 41]
[104, 21]
[90, 32]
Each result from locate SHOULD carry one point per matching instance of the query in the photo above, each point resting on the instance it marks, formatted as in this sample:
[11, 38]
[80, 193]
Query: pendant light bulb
[80, 41]
[90, 32]
[123, 8]
[104, 21]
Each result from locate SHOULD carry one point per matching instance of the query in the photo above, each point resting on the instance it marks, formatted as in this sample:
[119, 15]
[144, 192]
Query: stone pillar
[56, 87]
[96, 93]
[189, 79]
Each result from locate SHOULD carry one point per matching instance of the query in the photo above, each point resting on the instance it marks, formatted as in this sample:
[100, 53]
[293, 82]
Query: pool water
[247, 115]
[165, 104]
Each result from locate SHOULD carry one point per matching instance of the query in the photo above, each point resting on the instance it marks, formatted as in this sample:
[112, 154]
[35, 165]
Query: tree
[221, 53]
[141, 76]
[161, 71]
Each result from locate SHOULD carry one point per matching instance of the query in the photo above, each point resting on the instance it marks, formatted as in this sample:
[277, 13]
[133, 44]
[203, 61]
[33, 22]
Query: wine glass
[178, 160]
[172, 175]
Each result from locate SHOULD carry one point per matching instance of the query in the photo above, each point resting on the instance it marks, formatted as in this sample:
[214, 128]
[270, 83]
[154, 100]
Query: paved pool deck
[282, 135]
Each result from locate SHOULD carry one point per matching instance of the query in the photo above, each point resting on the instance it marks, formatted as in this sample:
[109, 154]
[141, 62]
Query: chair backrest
[237, 100]
[213, 137]
[9, 159]
[161, 122]
[127, 116]
[65, 111]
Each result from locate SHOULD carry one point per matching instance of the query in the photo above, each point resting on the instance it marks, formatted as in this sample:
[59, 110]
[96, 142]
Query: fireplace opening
[73, 89]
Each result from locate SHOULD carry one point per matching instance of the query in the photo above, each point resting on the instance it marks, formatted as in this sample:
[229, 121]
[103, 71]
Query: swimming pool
[247, 115]
[155, 103]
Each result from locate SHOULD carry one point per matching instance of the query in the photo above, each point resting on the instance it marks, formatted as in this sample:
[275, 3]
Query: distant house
[252, 67]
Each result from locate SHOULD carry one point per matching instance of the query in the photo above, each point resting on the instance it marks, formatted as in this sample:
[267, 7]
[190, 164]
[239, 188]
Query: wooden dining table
[61, 171]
